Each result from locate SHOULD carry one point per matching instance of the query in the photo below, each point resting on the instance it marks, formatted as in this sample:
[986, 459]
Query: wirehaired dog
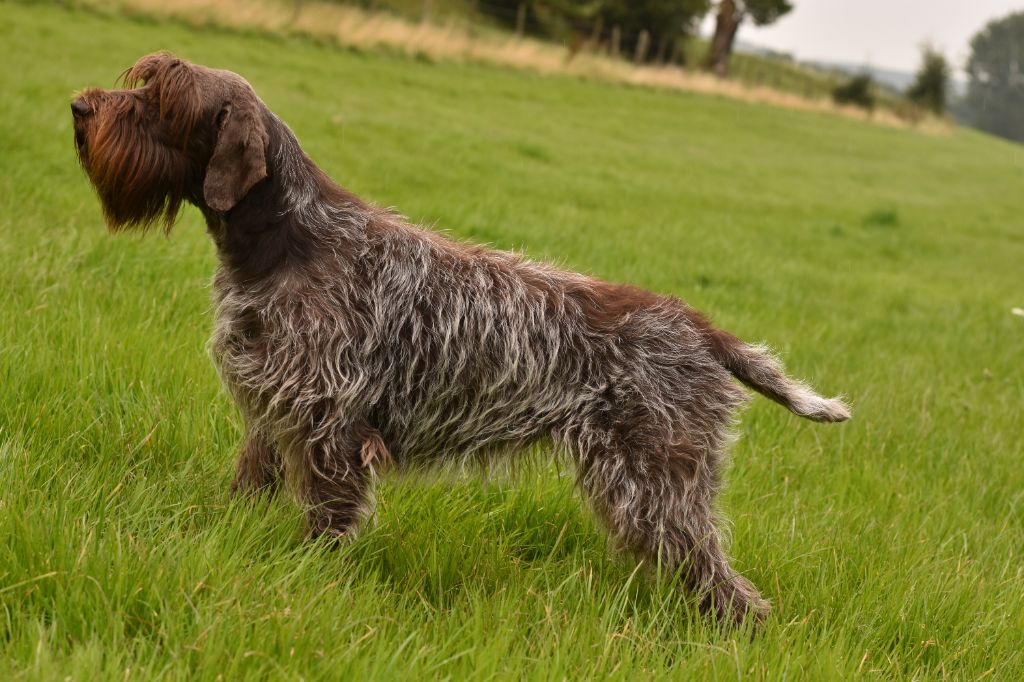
[352, 340]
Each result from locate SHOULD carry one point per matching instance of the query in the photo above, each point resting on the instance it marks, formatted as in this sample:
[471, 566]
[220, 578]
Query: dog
[353, 341]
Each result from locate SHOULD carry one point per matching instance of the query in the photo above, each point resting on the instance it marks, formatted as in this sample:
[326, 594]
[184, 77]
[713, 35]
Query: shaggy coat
[353, 341]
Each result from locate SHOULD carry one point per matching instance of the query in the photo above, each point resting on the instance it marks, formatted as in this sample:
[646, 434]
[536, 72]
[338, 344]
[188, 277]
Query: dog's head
[173, 132]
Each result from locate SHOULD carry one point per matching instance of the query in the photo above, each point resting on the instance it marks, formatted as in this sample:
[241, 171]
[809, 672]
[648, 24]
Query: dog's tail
[758, 369]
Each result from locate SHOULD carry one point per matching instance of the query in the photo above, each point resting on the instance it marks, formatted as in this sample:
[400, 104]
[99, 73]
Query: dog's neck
[286, 217]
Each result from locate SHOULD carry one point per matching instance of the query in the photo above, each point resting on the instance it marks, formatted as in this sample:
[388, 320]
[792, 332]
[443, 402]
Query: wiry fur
[353, 341]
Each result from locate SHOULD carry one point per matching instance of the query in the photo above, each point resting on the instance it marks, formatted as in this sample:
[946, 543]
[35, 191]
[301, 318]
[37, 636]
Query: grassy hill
[883, 263]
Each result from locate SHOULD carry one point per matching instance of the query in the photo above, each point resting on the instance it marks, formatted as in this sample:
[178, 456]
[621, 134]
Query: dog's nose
[79, 109]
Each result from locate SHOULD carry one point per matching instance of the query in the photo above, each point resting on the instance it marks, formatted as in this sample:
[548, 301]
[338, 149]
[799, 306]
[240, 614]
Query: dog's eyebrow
[126, 81]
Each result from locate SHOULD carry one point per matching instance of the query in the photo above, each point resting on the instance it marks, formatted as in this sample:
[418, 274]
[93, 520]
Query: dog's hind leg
[258, 470]
[656, 497]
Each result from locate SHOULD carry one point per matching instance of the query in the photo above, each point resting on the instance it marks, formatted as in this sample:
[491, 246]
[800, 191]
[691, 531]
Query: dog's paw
[737, 604]
[333, 537]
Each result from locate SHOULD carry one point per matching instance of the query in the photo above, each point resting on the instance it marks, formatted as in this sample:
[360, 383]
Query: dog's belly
[464, 423]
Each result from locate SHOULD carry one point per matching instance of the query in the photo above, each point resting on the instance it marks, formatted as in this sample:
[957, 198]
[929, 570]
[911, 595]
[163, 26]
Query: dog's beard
[140, 182]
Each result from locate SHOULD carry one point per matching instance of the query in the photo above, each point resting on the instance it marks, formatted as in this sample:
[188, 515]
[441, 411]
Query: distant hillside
[893, 79]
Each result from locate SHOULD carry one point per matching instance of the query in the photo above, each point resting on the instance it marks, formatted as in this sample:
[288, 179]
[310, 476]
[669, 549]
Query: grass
[883, 263]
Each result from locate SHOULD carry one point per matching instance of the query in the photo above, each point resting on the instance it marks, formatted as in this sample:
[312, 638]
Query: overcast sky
[878, 33]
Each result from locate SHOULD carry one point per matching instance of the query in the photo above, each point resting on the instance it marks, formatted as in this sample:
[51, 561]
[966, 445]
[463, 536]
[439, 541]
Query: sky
[878, 33]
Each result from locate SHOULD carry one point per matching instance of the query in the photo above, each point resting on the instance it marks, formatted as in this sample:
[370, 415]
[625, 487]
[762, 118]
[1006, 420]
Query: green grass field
[882, 263]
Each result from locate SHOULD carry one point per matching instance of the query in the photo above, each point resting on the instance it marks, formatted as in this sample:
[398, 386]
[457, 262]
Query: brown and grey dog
[352, 340]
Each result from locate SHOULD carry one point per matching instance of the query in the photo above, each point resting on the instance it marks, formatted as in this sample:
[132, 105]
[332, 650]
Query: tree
[929, 88]
[732, 13]
[858, 91]
[995, 78]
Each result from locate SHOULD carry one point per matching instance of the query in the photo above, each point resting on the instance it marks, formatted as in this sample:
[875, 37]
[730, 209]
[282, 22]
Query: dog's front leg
[259, 466]
[334, 469]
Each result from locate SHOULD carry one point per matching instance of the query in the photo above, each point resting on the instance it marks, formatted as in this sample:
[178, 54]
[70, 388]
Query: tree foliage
[764, 12]
[995, 73]
[858, 91]
[929, 88]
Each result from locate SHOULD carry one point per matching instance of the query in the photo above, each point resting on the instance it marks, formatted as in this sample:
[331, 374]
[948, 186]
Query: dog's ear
[239, 158]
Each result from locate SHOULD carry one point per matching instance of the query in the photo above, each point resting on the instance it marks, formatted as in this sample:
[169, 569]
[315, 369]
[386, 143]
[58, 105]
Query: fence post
[425, 16]
[616, 40]
[521, 20]
[642, 43]
[595, 35]
[662, 52]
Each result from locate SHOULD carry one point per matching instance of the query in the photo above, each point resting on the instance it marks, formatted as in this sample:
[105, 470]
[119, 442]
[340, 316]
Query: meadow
[882, 263]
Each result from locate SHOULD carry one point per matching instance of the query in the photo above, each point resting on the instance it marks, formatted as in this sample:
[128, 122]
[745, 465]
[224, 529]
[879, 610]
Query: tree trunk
[727, 22]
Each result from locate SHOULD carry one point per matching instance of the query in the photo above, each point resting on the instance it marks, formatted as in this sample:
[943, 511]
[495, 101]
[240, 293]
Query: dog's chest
[240, 346]
[287, 348]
